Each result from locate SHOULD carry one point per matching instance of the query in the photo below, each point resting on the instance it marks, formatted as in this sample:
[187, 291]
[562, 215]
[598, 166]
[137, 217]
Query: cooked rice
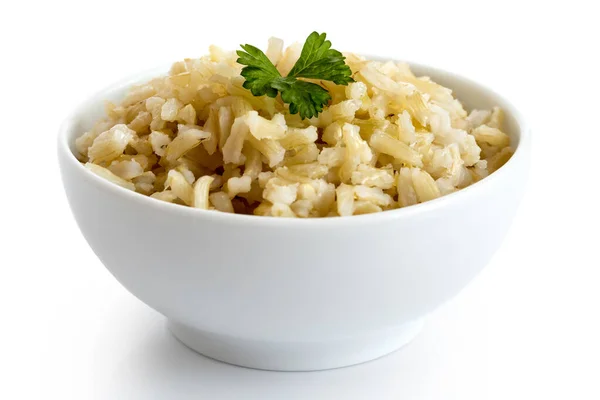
[196, 137]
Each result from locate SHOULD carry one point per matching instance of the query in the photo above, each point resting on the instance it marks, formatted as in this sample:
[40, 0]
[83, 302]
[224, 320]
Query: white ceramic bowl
[296, 294]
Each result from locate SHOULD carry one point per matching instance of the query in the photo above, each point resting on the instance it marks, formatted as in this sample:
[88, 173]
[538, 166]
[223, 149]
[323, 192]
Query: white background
[527, 328]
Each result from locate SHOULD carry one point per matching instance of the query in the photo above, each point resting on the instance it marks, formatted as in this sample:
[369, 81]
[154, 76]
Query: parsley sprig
[317, 61]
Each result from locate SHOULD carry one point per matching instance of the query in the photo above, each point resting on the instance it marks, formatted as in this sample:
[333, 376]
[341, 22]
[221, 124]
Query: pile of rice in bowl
[388, 140]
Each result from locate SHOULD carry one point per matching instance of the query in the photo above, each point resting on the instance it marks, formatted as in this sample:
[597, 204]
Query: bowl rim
[70, 160]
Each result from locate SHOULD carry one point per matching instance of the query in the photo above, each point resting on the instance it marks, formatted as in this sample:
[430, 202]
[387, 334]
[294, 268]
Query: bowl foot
[296, 356]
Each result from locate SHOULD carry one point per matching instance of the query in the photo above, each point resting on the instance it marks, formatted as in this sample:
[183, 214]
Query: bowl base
[296, 356]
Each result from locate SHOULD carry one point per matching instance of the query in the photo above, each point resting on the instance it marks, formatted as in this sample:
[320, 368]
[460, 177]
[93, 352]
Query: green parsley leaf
[259, 72]
[304, 97]
[317, 61]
